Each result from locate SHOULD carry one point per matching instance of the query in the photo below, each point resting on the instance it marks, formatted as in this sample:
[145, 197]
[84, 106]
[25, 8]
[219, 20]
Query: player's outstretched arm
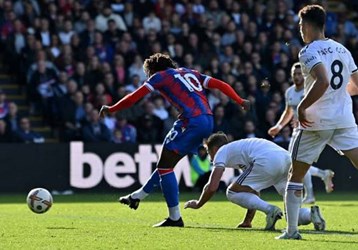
[284, 119]
[126, 102]
[208, 191]
[352, 86]
[214, 83]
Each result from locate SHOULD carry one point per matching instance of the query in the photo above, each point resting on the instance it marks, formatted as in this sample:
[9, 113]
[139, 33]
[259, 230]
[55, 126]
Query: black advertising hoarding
[112, 167]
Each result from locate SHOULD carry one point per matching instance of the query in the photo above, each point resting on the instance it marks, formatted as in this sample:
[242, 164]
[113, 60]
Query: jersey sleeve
[154, 82]
[220, 158]
[203, 79]
[286, 97]
[309, 58]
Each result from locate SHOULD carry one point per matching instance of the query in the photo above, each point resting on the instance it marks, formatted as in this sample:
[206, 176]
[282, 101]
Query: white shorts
[308, 145]
[264, 173]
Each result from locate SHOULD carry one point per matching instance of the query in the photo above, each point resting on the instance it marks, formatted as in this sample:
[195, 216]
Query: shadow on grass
[304, 231]
[61, 228]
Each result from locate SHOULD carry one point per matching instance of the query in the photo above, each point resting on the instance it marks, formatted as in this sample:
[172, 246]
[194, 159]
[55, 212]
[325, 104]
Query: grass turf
[97, 221]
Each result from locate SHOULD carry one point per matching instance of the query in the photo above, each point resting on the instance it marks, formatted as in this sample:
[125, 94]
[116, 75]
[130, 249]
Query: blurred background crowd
[70, 57]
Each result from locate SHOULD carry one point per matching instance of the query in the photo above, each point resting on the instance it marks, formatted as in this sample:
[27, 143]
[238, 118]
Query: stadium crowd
[73, 56]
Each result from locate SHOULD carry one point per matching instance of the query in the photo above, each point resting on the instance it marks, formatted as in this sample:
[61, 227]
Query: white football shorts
[307, 145]
[266, 172]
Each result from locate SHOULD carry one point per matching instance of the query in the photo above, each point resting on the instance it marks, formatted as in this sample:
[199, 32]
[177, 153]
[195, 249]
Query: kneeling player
[263, 164]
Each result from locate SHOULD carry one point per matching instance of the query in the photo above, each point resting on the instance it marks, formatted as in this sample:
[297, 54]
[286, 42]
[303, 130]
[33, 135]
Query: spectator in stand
[25, 134]
[136, 68]
[220, 122]
[67, 33]
[12, 119]
[4, 105]
[148, 130]
[159, 108]
[110, 85]
[250, 130]
[6, 135]
[124, 131]
[102, 20]
[200, 168]
[95, 131]
[74, 116]
[40, 88]
[44, 34]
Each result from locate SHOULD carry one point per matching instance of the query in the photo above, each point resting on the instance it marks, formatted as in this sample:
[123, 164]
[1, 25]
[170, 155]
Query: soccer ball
[39, 200]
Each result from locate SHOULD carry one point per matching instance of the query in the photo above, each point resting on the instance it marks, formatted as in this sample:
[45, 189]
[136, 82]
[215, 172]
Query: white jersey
[293, 98]
[242, 154]
[334, 109]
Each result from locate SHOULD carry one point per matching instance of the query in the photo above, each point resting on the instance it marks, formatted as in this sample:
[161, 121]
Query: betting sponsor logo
[121, 169]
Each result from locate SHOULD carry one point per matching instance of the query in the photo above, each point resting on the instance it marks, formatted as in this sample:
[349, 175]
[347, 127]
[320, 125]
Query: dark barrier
[110, 167]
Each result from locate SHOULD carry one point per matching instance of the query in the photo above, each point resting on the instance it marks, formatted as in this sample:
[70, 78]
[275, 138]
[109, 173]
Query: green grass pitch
[98, 221]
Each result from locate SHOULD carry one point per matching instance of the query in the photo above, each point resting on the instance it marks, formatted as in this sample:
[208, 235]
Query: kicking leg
[133, 199]
[169, 184]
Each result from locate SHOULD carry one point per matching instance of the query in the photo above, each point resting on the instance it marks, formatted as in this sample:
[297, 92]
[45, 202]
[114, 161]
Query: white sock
[174, 213]
[316, 172]
[307, 183]
[293, 199]
[139, 194]
[249, 201]
[304, 216]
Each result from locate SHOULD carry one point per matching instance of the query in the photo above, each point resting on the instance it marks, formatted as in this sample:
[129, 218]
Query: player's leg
[248, 198]
[306, 215]
[352, 155]
[308, 145]
[184, 138]
[325, 175]
[346, 140]
[133, 199]
[262, 174]
[308, 187]
[165, 167]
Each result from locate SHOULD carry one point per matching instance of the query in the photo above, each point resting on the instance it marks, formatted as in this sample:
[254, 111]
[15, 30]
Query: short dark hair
[314, 14]
[158, 62]
[216, 140]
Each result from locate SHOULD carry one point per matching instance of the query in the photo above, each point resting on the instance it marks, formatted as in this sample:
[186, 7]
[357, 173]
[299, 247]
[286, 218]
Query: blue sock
[170, 188]
[152, 182]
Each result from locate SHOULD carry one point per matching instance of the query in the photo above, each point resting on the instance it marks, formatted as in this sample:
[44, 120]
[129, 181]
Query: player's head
[312, 22]
[158, 62]
[296, 74]
[214, 142]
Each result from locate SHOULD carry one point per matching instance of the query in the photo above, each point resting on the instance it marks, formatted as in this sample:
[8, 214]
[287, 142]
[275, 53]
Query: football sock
[148, 187]
[293, 199]
[249, 201]
[170, 190]
[304, 216]
[316, 172]
[307, 183]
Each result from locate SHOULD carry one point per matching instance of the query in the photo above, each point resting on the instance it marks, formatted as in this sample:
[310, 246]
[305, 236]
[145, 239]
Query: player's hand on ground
[104, 111]
[246, 105]
[192, 204]
[244, 225]
[273, 131]
[302, 119]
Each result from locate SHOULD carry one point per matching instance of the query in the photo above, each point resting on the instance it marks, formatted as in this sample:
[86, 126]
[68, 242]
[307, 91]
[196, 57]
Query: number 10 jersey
[334, 109]
[184, 89]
